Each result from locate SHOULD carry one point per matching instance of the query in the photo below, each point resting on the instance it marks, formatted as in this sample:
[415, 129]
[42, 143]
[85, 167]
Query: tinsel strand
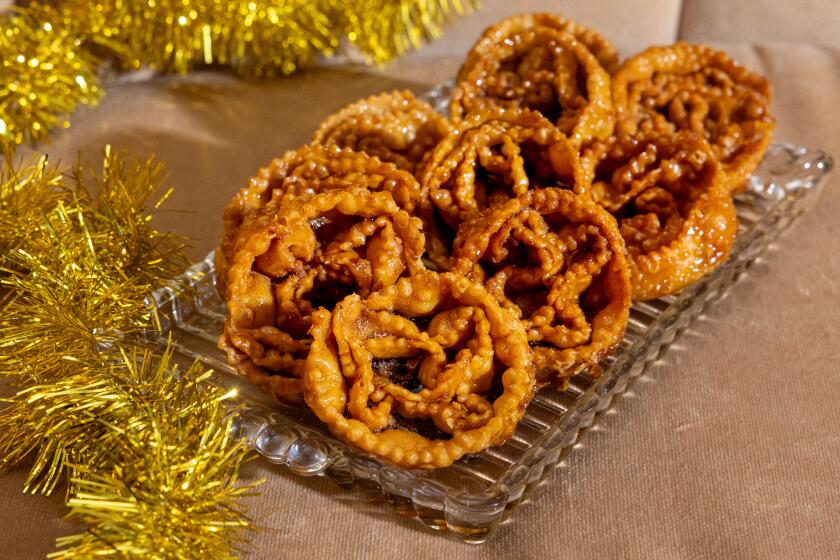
[45, 73]
[166, 484]
[53, 53]
[145, 446]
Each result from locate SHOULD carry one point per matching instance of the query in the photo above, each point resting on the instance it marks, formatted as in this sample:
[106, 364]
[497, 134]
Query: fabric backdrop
[728, 448]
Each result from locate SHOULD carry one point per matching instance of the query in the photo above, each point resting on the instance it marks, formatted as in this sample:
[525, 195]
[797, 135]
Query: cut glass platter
[471, 497]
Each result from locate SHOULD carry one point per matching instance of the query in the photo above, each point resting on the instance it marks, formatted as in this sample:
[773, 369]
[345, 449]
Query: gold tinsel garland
[147, 449]
[53, 55]
[44, 74]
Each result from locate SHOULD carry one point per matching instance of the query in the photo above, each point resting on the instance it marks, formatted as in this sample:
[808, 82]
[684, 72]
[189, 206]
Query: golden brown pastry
[693, 87]
[306, 171]
[675, 213]
[533, 61]
[491, 156]
[395, 127]
[556, 259]
[421, 372]
[302, 254]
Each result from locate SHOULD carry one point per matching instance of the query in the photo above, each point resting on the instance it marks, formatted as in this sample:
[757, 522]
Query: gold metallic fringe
[384, 29]
[45, 73]
[145, 447]
[51, 51]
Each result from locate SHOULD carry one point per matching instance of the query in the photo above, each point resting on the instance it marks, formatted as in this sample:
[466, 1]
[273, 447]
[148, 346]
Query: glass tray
[472, 496]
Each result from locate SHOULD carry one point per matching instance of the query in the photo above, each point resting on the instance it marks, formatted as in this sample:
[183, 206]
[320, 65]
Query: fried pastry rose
[675, 213]
[603, 50]
[693, 87]
[556, 259]
[491, 156]
[302, 254]
[421, 372]
[306, 171]
[395, 127]
[531, 61]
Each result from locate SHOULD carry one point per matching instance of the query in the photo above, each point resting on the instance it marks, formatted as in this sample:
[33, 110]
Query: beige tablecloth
[728, 448]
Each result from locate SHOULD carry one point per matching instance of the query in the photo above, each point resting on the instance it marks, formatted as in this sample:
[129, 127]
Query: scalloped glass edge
[471, 498]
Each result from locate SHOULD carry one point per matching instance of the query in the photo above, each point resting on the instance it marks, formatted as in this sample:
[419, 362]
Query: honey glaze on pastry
[676, 216]
[528, 61]
[306, 253]
[491, 156]
[603, 50]
[556, 260]
[693, 87]
[306, 171]
[419, 373]
[395, 127]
